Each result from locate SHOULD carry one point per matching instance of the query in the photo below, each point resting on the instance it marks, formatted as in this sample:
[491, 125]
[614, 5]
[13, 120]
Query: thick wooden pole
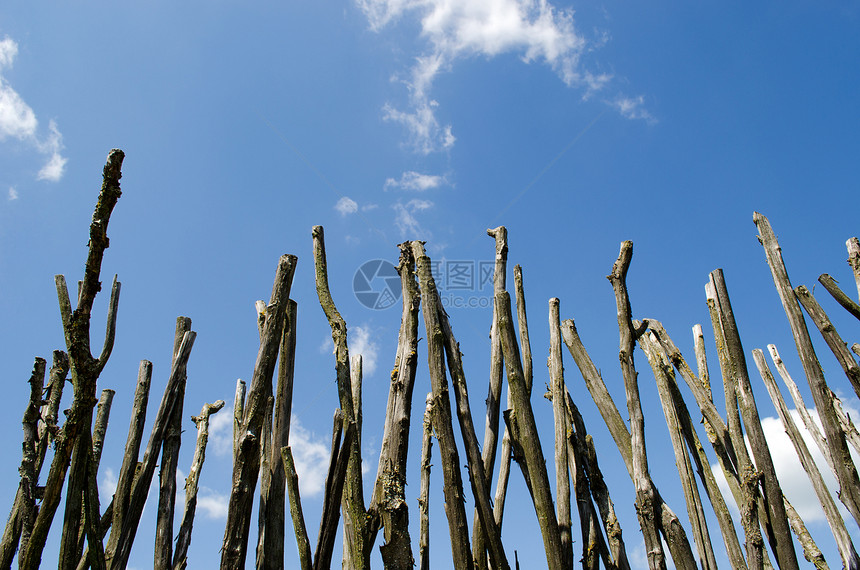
[441, 418]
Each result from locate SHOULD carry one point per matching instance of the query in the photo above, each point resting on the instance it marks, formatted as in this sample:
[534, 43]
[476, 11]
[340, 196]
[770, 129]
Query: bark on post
[588, 481]
[353, 493]
[273, 541]
[265, 481]
[389, 497]
[853, 245]
[561, 423]
[85, 371]
[494, 394]
[349, 530]
[238, 412]
[246, 464]
[831, 337]
[534, 465]
[506, 452]
[47, 431]
[741, 473]
[646, 507]
[777, 520]
[665, 377]
[479, 478]
[169, 462]
[846, 472]
[140, 488]
[673, 531]
[847, 303]
[849, 556]
[851, 433]
[810, 550]
[99, 431]
[335, 483]
[127, 470]
[424, 493]
[692, 439]
[442, 420]
[29, 478]
[183, 539]
[292, 483]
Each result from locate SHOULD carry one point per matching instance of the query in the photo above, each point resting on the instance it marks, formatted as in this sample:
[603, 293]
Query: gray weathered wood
[353, 492]
[665, 377]
[424, 493]
[561, 424]
[853, 245]
[292, 483]
[192, 483]
[140, 489]
[441, 418]
[834, 519]
[524, 430]
[831, 337]
[246, 463]
[389, 493]
[846, 472]
[163, 551]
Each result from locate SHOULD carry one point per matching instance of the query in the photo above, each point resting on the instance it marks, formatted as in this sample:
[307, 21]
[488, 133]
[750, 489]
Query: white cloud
[533, 29]
[213, 504]
[360, 342]
[107, 487]
[18, 121]
[412, 180]
[792, 478]
[346, 206]
[405, 220]
[13, 193]
[633, 108]
[311, 455]
[221, 433]
[56, 164]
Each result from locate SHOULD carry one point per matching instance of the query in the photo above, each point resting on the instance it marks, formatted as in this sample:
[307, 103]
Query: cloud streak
[405, 220]
[458, 29]
[415, 181]
[18, 121]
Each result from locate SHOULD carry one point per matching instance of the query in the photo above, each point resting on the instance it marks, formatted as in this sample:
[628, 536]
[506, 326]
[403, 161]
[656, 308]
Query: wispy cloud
[13, 193]
[533, 29]
[632, 108]
[56, 165]
[416, 181]
[346, 206]
[405, 220]
[361, 343]
[18, 121]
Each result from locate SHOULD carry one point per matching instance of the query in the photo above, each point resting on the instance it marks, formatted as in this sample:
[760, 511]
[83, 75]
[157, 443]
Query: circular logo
[376, 284]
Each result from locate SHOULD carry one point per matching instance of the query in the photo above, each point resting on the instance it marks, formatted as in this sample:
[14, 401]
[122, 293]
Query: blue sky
[576, 126]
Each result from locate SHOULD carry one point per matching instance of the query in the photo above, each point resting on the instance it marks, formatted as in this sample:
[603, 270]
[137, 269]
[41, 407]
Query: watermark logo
[462, 284]
[377, 284]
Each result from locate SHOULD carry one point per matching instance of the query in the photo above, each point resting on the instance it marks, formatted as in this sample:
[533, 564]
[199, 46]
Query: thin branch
[183, 539]
[292, 484]
[831, 337]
